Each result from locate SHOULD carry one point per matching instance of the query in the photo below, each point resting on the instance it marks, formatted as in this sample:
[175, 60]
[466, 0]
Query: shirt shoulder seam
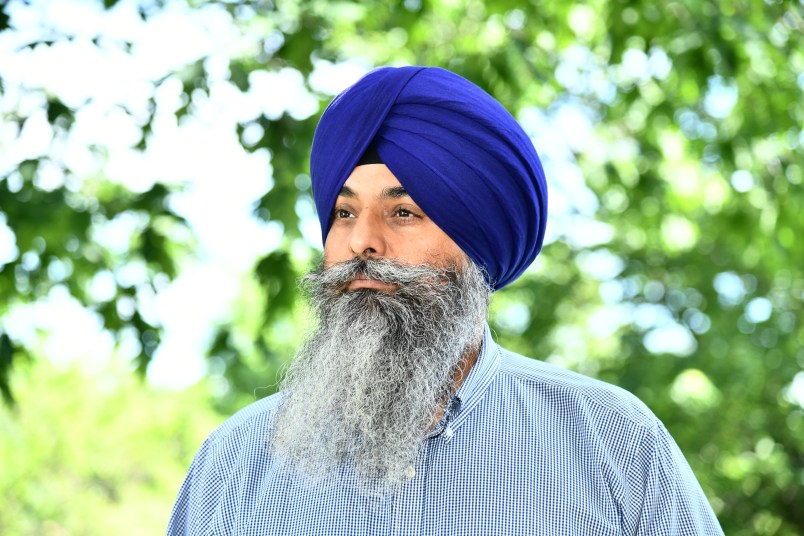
[238, 424]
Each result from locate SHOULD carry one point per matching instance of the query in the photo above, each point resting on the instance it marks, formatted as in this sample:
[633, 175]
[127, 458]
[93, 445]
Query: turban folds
[458, 152]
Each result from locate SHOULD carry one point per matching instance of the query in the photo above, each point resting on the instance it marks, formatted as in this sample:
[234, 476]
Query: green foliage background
[95, 455]
[704, 209]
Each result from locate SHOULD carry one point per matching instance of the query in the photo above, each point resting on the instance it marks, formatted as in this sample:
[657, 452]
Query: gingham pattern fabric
[525, 449]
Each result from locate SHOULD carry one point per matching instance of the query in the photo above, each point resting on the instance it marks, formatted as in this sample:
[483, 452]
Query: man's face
[399, 309]
[375, 217]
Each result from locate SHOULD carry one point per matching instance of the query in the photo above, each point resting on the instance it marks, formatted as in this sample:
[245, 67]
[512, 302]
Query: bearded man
[400, 414]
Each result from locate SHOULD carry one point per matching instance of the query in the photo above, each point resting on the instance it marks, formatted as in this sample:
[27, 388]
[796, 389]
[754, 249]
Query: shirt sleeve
[199, 496]
[667, 497]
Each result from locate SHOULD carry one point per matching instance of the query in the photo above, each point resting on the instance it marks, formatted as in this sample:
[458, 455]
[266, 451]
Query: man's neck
[468, 361]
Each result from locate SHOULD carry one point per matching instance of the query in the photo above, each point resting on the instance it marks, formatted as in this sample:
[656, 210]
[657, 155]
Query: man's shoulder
[254, 417]
[565, 386]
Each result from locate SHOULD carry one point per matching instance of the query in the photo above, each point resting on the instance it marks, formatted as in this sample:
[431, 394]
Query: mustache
[389, 271]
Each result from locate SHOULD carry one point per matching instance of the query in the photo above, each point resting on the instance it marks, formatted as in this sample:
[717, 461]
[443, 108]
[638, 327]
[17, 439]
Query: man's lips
[360, 281]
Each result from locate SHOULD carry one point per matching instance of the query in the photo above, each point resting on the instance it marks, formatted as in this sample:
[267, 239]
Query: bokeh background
[155, 213]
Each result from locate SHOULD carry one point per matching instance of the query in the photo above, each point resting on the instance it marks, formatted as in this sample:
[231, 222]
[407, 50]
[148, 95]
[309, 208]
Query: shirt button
[410, 472]
[449, 432]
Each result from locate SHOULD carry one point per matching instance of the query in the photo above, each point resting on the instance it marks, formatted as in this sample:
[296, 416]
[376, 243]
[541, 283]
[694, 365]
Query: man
[400, 414]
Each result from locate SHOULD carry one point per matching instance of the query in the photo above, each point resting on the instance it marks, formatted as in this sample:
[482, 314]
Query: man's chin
[369, 298]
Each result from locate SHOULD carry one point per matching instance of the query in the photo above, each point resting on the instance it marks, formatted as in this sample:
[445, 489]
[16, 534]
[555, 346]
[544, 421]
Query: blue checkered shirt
[525, 449]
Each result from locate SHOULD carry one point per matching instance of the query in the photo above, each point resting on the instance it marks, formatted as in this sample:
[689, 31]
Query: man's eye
[341, 213]
[404, 213]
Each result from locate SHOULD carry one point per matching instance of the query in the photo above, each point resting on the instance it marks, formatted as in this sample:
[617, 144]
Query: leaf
[276, 275]
[58, 112]
[3, 22]
[6, 363]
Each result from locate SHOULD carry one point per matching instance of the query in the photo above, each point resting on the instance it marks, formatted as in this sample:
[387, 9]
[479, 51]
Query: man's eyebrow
[347, 192]
[394, 193]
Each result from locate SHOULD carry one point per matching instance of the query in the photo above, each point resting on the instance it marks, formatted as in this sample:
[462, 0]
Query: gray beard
[363, 391]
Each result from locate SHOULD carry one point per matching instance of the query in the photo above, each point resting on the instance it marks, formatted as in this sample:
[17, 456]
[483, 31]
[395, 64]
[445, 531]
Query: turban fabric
[458, 152]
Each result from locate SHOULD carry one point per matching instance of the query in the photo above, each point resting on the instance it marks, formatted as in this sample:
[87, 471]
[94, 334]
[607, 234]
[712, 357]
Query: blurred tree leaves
[694, 160]
[122, 447]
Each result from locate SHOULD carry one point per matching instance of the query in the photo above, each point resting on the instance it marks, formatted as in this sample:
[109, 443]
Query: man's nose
[368, 238]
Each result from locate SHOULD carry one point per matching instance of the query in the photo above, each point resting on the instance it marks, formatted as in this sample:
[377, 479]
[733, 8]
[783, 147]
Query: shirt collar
[485, 368]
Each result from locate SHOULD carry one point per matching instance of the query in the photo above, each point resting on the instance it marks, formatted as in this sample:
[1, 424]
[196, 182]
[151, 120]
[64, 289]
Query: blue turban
[459, 153]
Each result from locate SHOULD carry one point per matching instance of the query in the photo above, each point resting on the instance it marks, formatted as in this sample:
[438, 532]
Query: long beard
[365, 386]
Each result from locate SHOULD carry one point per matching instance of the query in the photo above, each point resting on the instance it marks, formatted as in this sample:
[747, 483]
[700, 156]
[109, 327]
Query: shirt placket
[407, 510]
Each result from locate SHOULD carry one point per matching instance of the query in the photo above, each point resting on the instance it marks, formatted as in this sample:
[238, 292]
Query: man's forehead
[375, 181]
